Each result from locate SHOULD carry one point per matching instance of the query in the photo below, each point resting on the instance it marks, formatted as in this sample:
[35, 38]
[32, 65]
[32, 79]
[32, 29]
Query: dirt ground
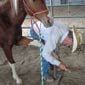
[28, 66]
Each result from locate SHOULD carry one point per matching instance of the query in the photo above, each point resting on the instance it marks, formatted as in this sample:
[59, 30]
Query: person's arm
[62, 66]
[56, 55]
[48, 48]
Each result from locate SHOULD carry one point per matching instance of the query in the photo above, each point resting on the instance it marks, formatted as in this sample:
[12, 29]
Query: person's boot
[56, 73]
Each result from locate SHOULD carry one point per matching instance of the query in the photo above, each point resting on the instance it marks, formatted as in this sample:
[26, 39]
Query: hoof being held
[24, 41]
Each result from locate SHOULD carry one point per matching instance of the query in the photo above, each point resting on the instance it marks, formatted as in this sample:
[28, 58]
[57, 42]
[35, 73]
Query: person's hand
[63, 67]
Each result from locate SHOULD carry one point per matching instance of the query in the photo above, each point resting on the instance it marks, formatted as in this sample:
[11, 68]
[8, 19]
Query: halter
[32, 11]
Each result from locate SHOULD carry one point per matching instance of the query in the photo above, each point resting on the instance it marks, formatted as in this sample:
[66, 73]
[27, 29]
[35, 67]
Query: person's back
[58, 28]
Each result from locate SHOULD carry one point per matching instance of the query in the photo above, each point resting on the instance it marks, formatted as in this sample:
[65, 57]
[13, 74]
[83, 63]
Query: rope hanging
[41, 49]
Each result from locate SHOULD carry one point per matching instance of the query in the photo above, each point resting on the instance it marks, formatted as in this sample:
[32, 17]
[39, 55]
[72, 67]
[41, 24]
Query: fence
[70, 12]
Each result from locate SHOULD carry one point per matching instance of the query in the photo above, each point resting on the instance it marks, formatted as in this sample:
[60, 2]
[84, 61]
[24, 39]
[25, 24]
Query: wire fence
[70, 12]
[66, 8]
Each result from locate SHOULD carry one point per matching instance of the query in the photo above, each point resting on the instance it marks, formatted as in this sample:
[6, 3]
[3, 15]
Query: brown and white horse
[12, 15]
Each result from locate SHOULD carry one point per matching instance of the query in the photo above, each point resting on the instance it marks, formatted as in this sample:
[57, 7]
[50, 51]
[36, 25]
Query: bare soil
[28, 66]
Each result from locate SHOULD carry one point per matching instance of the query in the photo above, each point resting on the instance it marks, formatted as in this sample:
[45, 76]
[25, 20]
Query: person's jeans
[46, 66]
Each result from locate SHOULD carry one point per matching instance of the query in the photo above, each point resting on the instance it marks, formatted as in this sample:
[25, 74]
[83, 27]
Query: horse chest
[7, 36]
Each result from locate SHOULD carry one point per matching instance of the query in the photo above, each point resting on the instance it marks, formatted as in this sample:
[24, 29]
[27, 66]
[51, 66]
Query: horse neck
[21, 12]
[20, 16]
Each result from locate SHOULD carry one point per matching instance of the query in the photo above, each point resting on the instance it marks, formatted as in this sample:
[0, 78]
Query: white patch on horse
[15, 76]
[15, 3]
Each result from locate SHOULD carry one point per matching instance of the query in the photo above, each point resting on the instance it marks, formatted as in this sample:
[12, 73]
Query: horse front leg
[8, 52]
[15, 76]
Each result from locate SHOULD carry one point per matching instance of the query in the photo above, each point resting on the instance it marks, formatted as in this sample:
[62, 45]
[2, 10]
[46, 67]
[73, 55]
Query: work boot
[56, 73]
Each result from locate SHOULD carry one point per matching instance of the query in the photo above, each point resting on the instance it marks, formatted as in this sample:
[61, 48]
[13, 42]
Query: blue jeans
[46, 66]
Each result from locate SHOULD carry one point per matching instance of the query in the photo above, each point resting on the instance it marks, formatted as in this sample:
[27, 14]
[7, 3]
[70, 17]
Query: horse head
[37, 9]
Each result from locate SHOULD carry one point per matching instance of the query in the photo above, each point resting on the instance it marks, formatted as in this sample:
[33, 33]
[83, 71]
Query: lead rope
[41, 49]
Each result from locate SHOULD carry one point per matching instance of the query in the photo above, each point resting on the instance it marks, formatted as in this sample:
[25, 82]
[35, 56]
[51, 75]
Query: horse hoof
[24, 41]
[19, 82]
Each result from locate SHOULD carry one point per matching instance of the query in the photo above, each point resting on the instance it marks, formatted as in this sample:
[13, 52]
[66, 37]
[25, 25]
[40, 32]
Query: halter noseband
[33, 13]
